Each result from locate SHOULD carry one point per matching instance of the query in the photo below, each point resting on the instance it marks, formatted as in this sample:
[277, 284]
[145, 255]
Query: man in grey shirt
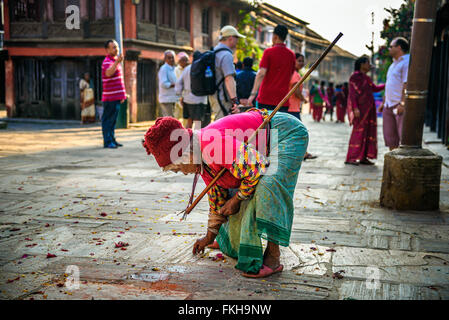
[224, 68]
[167, 81]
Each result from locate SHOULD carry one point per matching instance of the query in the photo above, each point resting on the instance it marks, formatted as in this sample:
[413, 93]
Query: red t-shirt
[280, 64]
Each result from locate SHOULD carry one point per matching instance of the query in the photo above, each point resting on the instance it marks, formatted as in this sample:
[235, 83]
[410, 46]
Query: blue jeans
[108, 121]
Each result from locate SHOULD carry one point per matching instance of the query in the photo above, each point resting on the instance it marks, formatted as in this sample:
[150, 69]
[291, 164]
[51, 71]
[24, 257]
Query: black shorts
[296, 115]
[193, 111]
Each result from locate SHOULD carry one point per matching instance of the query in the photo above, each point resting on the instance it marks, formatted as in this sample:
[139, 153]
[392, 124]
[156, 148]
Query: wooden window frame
[66, 4]
[165, 11]
[226, 15]
[147, 12]
[108, 11]
[14, 6]
[183, 15]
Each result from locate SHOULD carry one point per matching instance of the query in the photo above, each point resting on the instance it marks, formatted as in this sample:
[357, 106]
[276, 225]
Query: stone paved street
[62, 194]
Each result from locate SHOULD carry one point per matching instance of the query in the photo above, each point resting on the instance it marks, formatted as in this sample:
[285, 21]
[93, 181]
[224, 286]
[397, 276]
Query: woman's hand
[202, 243]
[381, 108]
[357, 113]
[235, 109]
[231, 207]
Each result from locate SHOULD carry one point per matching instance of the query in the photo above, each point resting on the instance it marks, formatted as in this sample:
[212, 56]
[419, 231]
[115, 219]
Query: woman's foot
[272, 256]
[354, 163]
[264, 272]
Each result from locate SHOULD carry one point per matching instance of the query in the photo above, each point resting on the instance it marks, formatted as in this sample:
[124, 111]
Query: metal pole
[419, 73]
[118, 24]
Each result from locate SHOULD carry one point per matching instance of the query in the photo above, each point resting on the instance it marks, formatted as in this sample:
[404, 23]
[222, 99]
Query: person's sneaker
[118, 144]
[111, 146]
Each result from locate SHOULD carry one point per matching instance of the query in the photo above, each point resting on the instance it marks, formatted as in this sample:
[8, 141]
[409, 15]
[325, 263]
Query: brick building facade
[44, 60]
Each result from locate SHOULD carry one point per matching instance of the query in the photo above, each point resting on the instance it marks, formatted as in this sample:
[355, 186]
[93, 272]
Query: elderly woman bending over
[254, 198]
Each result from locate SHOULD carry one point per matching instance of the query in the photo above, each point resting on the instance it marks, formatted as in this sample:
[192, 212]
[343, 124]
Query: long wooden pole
[267, 120]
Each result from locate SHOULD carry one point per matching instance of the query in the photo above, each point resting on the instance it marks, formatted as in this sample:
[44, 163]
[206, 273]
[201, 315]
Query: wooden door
[146, 90]
[64, 92]
[30, 82]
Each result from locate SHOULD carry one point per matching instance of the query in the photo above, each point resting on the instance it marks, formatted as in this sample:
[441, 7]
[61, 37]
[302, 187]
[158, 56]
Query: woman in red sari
[341, 104]
[362, 115]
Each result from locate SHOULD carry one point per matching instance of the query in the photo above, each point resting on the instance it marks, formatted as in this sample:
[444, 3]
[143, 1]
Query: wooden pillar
[419, 73]
[10, 97]
[130, 20]
[131, 88]
[192, 25]
[6, 27]
[130, 67]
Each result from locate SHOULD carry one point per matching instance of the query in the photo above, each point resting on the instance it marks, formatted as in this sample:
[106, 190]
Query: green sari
[269, 213]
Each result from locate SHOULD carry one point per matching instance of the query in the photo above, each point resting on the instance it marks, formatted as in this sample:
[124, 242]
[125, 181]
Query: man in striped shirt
[114, 92]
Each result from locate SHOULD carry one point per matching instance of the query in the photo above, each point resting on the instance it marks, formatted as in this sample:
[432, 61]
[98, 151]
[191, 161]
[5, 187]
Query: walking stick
[267, 120]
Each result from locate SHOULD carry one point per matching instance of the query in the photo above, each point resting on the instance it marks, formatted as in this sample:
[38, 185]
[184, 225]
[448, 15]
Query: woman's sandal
[264, 272]
[214, 245]
[309, 156]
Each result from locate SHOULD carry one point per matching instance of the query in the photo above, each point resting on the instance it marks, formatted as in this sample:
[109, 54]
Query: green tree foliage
[398, 24]
[248, 47]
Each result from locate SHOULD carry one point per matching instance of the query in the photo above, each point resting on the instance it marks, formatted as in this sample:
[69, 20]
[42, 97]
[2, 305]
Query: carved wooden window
[205, 27]
[183, 15]
[25, 10]
[101, 9]
[146, 11]
[205, 21]
[60, 6]
[224, 19]
[166, 15]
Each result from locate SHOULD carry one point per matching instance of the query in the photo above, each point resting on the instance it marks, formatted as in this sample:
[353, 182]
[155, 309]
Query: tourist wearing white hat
[225, 101]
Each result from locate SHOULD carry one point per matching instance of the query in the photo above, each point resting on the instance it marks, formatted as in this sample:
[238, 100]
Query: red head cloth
[158, 140]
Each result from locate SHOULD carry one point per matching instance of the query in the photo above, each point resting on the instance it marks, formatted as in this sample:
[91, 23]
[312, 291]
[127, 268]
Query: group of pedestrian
[324, 100]
[362, 110]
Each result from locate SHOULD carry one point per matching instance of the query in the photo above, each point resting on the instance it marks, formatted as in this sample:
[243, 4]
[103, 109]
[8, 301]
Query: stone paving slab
[386, 291]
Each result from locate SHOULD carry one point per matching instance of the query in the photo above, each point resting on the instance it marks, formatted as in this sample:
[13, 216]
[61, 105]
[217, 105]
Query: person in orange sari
[362, 115]
[87, 100]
